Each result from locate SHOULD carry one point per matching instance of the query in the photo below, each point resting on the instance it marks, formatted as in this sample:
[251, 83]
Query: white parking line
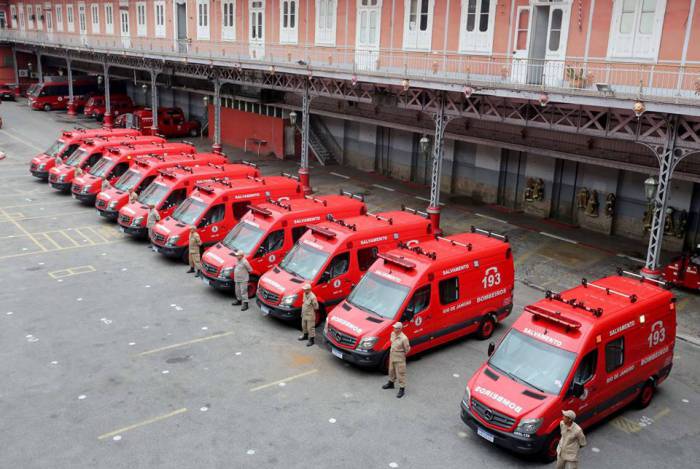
[490, 218]
[635, 259]
[378, 186]
[560, 238]
[340, 175]
[425, 199]
[23, 142]
[285, 380]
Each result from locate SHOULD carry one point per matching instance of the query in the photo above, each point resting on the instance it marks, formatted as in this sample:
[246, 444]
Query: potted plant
[577, 77]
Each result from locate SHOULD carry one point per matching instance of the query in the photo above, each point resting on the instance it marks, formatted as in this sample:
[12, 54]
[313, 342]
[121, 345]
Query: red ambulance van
[142, 174]
[268, 231]
[171, 187]
[214, 208]
[441, 289]
[115, 162]
[171, 122]
[332, 256]
[96, 106]
[52, 94]
[66, 144]
[61, 177]
[592, 349]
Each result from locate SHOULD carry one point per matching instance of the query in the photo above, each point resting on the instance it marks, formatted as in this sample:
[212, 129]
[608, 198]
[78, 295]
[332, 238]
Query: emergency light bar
[642, 278]
[490, 234]
[205, 187]
[316, 199]
[280, 204]
[414, 211]
[352, 195]
[166, 172]
[322, 231]
[187, 142]
[454, 243]
[256, 179]
[556, 317]
[418, 250]
[400, 261]
[245, 162]
[290, 176]
[114, 150]
[262, 211]
[381, 218]
[340, 222]
[609, 291]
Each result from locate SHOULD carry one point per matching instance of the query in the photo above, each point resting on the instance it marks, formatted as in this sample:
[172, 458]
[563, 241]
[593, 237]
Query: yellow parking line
[21, 228]
[86, 238]
[94, 231]
[63, 232]
[142, 424]
[23, 142]
[56, 274]
[39, 202]
[182, 344]
[55, 215]
[285, 380]
[81, 269]
[12, 256]
[661, 413]
[50, 239]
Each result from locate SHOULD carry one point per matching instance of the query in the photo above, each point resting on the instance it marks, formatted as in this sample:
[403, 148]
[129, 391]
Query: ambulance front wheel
[486, 328]
[549, 450]
[252, 287]
[646, 395]
[47, 107]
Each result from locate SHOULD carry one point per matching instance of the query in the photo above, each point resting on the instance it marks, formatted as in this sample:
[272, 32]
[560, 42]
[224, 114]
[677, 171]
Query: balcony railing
[668, 82]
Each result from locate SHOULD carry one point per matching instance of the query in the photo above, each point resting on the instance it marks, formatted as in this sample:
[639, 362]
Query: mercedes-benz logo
[488, 414]
[337, 336]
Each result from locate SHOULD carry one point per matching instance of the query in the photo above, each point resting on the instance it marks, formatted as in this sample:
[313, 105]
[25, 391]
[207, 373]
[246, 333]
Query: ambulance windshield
[378, 295]
[55, 148]
[128, 181]
[189, 211]
[243, 237]
[76, 157]
[101, 167]
[304, 261]
[153, 194]
[532, 362]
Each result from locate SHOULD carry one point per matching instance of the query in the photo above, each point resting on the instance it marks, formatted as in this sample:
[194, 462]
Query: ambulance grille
[210, 269]
[77, 188]
[267, 295]
[101, 204]
[53, 177]
[341, 338]
[34, 166]
[158, 238]
[491, 416]
[124, 219]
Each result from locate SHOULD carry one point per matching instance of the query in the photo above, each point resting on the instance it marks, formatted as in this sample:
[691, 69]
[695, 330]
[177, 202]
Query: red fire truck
[684, 271]
[171, 122]
[268, 231]
[66, 144]
[214, 208]
[96, 106]
[171, 187]
[332, 256]
[142, 174]
[441, 289]
[52, 94]
[61, 177]
[115, 162]
[593, 349]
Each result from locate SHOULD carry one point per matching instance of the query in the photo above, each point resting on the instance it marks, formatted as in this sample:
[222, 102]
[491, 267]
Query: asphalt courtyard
[113, 357]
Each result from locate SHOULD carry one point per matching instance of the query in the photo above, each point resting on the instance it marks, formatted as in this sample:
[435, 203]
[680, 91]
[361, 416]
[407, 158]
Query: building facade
[557, 108]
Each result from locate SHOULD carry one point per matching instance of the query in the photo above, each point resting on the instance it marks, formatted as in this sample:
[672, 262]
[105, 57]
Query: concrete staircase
[322, 143]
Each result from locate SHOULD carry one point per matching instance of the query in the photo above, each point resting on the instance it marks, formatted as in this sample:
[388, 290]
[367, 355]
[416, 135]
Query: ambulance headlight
[62, 178]
[137, 221]
[367, 343]
[42, 167]
[86, 188]
[467, 395]
[528, 427]
[226, 273]
[288, 300]
[172, 240]
[112, 205]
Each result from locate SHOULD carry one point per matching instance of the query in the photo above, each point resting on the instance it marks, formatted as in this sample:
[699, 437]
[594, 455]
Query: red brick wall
[236, 126]
[7, 68]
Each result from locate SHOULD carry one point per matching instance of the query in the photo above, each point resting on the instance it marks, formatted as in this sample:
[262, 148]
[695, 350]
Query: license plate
[74, 196]
[337, 353]
[484, 434]
[265, 310]
[122, 229]
[206, 281]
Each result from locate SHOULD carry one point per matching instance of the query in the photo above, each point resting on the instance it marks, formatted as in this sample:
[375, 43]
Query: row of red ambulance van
[593, 349]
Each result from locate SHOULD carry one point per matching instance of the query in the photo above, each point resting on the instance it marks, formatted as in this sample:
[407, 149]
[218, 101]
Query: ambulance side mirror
[577, 389]
[492, 348]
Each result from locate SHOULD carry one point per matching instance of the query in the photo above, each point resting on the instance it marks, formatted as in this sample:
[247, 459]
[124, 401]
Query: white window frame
[48, 17]
[413, 38]
[70, 18]
[39, 11]
[228, 20]
[82, 18]
[325, 35]
[289, 21]
[159, 18]
[124, 26]
[109, 18]
[59, 18]
[12, 21]
[141, 19]
[619, 47]
[95, 18]
[203, 15]
[30, 13]
[476, 41]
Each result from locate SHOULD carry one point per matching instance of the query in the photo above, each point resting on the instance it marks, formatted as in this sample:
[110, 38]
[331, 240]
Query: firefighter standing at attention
[309, 306]
[572, 440]
[241, 278]
[152, 218]
[194, 251]
[397, 359]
